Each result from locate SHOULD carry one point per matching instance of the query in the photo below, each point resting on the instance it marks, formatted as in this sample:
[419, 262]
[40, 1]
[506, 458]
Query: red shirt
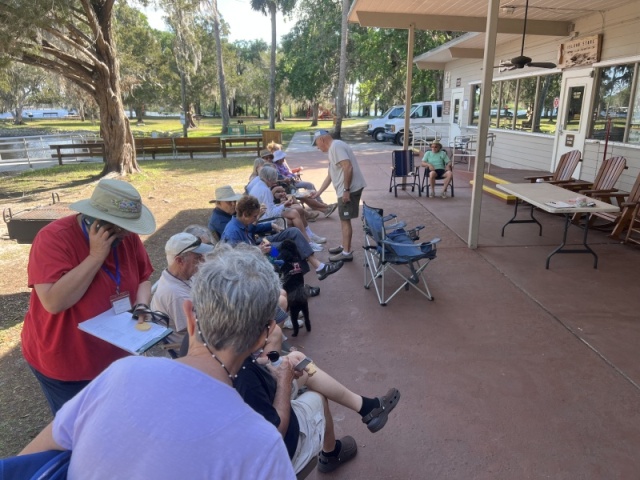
[52, 343]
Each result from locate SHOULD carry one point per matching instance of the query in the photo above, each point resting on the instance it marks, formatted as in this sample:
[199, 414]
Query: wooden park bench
[198, 145]
[76, 150]
[155, 146]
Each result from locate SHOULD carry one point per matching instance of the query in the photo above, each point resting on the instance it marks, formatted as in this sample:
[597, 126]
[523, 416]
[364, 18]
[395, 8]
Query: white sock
[344, 252]
[320, 267]
[308, 230]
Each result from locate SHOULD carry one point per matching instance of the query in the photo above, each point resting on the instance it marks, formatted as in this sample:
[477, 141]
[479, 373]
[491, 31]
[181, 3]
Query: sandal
[377, 418]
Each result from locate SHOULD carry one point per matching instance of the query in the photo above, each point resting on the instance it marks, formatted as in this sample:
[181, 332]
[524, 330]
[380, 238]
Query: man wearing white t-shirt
[185, 252]
[348, 181]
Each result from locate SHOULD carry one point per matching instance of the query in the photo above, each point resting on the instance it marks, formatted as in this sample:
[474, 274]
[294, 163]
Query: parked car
[376, 126]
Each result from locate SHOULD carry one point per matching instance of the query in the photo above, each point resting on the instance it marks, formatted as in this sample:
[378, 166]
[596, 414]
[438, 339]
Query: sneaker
[348, 450]
[334, 250]
[311, 216]
[312, 291]
[444, 194]
[328, 269]
[289, 325]
[432, 193]
[345, 257]
[317, 239]
[316, 247]
[330, 209]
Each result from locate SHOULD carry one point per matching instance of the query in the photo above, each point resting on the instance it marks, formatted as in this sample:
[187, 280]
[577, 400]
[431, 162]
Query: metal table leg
[515, 214]
[586, 249]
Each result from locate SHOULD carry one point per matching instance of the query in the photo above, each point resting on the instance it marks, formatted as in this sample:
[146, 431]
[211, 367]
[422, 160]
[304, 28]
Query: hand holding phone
[303, 364]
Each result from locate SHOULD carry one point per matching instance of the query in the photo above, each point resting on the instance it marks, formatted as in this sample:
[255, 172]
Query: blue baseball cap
[318, 134]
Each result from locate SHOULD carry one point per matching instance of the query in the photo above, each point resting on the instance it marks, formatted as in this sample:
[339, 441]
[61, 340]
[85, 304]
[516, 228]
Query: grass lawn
[167, 126]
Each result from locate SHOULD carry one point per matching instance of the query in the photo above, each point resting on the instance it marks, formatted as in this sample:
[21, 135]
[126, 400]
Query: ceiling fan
[521, 60]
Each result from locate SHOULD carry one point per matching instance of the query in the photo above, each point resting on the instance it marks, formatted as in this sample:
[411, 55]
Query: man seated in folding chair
[439, 167]
[389, 247]
[185, 253]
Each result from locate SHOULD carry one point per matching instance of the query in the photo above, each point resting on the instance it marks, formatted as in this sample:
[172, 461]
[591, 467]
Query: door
[573, 115]
[456, 113]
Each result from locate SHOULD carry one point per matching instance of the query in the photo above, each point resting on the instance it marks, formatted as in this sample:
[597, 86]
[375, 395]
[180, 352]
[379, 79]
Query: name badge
[120, 303]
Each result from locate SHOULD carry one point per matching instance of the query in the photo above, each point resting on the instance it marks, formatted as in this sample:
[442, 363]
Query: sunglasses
[193, 246]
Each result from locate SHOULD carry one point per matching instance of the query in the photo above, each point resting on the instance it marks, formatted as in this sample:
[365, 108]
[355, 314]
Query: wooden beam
[462, 24]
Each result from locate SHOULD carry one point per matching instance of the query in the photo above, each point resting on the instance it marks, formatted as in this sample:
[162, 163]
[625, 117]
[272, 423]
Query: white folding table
[553, 199]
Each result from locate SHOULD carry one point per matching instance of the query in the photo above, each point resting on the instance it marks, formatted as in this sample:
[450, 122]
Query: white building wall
[514, 149]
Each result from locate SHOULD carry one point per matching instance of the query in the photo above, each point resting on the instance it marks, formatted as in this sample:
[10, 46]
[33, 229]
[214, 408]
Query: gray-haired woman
[125, 421]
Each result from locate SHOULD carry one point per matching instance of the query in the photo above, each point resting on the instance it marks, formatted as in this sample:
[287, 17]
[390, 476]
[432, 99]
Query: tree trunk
[17, 116]
[119, 146]
[139, 110]
[224, 112]
[272, 73]
[343, 69]
[314, 114]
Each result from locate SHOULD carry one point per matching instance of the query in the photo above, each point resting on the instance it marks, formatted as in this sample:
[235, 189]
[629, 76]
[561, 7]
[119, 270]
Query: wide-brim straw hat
[226, 194]
[119, 203]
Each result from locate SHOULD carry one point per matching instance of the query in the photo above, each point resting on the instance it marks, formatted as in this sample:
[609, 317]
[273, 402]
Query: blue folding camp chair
[402, 165]
[389, 247]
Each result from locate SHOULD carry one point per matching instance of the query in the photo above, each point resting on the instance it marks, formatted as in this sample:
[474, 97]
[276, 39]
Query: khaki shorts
[348, 211]
[309, 410]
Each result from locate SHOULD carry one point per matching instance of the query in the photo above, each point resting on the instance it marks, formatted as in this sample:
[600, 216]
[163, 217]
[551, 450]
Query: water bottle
[274, 358]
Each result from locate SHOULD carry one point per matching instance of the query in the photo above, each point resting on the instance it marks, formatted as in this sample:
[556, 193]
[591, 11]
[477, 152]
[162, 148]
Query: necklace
[177, 278]
[232, 377]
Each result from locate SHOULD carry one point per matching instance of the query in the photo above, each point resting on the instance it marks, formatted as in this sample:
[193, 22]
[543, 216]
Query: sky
[244, 23]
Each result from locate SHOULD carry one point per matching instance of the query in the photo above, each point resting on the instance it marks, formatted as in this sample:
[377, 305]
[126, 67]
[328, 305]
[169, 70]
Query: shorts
[309, 410]
[439, 172]
[347, 211]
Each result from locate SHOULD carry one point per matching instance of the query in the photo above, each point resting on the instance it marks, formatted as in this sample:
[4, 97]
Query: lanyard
[115, 277]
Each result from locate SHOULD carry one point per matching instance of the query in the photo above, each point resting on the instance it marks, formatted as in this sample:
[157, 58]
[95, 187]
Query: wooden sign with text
[581, 51]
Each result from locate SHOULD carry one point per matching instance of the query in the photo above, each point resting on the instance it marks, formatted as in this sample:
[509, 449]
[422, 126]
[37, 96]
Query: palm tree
[270, 8]
[343, 68]
[224, 108]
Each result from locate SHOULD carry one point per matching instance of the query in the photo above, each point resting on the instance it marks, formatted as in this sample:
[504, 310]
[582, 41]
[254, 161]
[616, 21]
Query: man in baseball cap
[184, 253]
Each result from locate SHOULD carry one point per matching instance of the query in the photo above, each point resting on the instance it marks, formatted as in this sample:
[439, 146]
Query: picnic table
[243, 143]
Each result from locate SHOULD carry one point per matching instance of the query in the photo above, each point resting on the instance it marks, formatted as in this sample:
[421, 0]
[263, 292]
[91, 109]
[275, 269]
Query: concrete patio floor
[513, 372]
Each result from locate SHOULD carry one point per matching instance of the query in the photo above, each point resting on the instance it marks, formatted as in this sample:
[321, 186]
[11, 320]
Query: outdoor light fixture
[508, 9]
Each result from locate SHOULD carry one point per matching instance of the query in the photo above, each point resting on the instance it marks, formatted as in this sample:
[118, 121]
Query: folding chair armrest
[620, 196]
[433, 241]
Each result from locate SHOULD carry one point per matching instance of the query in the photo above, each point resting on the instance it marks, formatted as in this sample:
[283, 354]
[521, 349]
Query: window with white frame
[525, 103]
[616, 111]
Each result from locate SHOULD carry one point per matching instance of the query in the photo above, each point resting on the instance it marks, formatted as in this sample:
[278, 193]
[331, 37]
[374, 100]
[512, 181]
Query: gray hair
[202, 232]
[235, 294]
[257, 163]
[268, 174]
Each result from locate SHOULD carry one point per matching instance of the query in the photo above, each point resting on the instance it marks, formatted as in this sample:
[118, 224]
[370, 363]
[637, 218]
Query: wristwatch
[347, 190]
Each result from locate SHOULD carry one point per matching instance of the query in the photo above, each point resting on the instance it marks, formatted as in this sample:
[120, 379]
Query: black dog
[292, 275]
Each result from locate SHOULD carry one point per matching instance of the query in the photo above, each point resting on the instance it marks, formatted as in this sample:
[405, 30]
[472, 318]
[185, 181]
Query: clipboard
[120, 330]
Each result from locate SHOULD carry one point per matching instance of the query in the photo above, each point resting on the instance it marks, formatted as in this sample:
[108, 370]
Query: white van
[376, 126]
[426, 115]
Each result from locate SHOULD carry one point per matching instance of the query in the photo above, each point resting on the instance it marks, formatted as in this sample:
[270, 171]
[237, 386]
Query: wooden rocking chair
[605, 180]
[618, 221]
[564, 170]
[633, 234]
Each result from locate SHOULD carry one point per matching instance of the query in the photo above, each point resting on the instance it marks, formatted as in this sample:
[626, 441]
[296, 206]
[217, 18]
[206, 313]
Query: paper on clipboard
[120, 330]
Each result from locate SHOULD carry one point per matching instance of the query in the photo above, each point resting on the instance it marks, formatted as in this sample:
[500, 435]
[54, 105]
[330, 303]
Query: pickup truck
[427, 115]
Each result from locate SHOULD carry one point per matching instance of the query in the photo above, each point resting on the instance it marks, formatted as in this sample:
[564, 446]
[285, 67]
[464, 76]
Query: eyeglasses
[193, 246]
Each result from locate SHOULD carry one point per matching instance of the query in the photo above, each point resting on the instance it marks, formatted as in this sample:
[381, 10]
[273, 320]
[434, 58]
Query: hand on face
[101, 239]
